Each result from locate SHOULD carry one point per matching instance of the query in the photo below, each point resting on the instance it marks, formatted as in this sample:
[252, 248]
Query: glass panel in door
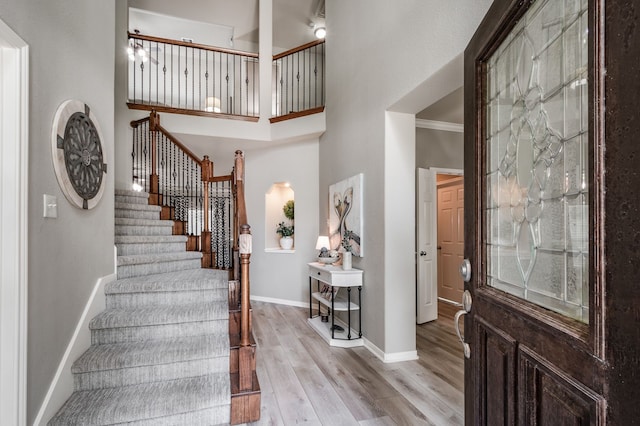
[536, 165]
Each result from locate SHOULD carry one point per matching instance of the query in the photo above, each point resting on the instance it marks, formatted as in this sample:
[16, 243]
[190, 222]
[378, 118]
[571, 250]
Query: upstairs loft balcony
[194, 79]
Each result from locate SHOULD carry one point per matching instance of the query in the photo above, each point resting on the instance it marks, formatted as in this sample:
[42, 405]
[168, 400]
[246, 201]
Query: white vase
[286, 243]
[346, 260]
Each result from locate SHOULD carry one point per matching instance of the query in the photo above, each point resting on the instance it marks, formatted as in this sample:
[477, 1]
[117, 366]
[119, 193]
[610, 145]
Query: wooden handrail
[136, 123]
[297, 49]
[194, 45]
[185, 111]
[179, 144]
[222, 178]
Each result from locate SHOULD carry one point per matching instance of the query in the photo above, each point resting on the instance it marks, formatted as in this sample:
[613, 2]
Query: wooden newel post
[206, 166]
[246, 354]
[245, 255]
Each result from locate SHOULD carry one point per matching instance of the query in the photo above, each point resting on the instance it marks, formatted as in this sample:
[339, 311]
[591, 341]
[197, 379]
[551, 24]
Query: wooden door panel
[548, 396]
[450, 239]
[445, 225]
[497, 372]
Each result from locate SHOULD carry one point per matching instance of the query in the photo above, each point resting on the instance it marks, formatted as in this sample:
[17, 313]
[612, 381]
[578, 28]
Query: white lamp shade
[323, 241]
[213, 104]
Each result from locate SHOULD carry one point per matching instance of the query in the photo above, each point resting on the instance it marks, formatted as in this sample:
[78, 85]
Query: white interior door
[426, 256]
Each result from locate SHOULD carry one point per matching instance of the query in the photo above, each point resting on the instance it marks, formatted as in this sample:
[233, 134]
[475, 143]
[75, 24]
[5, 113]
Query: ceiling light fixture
[136, 48]
[320, 32]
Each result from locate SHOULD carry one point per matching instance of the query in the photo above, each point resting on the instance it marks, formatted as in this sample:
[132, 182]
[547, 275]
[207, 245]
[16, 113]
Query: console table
[334, 291]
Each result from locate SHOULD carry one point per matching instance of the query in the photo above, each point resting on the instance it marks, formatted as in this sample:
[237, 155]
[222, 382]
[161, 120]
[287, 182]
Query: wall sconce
[320, 32]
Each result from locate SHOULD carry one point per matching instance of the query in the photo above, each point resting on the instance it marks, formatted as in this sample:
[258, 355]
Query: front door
[552, 208]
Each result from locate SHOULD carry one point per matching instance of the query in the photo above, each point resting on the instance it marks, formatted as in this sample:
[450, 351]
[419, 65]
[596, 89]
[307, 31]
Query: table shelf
[335, 291]
[339, 304]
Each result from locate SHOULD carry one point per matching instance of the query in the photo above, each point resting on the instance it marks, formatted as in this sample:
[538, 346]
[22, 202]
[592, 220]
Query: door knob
[465, 270]
[423, 253]
[466, 308]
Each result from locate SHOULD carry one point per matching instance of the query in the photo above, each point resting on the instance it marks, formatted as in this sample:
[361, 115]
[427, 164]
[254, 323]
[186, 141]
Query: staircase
[160, 351]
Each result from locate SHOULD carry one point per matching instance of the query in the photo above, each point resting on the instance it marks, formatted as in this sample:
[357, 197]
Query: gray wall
[71, 46]
[377, 52]
[437, 148]
[283, 276]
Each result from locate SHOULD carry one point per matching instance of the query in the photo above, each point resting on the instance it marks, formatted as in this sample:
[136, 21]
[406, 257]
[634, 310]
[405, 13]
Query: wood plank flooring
[303, 380]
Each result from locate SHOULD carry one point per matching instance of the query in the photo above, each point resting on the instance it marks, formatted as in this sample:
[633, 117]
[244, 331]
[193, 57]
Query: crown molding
[439, 125]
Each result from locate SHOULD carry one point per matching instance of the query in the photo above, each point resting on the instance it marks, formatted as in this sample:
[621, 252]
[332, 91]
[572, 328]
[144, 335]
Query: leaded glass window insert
[536, 166]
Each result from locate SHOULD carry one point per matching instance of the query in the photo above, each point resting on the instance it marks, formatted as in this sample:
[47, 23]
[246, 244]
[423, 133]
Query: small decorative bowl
[327, 260]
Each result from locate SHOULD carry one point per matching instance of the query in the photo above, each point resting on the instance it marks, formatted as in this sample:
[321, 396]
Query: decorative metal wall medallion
[78, 158]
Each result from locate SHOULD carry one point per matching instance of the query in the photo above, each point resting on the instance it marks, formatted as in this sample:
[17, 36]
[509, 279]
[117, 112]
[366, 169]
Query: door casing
[14, 73]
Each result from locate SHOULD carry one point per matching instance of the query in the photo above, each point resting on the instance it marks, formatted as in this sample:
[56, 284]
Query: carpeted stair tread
[151, 352]
[149, 239]
[159, 315]
[150, 402]
[134, 206]
[139, 259]
[189, 280]
[142, 222]
[131, 193]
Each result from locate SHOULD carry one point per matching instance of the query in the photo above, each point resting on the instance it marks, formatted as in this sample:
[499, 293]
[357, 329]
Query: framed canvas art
[345, 214]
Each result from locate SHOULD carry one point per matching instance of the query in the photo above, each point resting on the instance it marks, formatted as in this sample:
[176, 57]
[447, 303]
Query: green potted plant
[288, 210]
[285, 231]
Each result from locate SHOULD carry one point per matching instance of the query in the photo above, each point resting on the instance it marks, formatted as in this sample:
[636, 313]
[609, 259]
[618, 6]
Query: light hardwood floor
[303, 380]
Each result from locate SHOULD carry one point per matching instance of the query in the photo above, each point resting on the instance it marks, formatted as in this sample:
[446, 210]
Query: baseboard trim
[61, 386]
[388, 358]
[280, 301]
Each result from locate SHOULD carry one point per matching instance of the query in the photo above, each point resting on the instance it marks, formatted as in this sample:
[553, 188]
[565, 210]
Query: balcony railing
[182, 77]
[188, 78]
[298, 86]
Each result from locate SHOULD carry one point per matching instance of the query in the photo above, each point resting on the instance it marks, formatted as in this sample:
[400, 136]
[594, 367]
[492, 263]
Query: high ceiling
[291, 18]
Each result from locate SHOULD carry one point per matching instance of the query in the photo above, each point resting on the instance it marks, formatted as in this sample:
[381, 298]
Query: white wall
[377, 53]
[283, 276]
[71, 46]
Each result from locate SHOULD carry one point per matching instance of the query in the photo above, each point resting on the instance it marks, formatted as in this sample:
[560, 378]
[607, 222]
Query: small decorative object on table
[328, 256]
[346, 253]
[325, 256]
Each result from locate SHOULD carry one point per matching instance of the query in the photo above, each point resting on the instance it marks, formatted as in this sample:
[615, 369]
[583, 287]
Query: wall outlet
[50, 208]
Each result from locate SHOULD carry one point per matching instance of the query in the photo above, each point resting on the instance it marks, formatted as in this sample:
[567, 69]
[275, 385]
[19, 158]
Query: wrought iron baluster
[145, 151]
[164, 72]
[171, 97]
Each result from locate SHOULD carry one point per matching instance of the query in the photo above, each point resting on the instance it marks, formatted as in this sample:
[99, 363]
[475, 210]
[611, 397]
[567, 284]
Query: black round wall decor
[78, 156]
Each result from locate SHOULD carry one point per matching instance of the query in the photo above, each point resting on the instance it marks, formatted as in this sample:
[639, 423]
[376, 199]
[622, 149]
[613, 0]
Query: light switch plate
[50, 208]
